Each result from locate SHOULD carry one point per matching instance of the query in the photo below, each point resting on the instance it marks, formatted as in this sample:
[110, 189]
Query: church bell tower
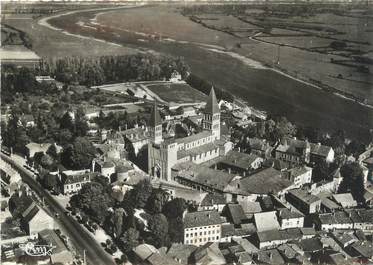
[211, 115]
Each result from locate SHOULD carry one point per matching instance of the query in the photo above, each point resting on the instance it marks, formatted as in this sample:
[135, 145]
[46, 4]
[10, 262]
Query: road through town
[81, 239]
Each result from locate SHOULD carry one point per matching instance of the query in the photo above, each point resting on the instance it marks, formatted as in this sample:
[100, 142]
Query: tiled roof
[240, 160]
[320, 150]
[335, 218]
[181, 252]
[194, 137]
[144, 251]
[212, 199]
[271, 256]
[196, 150]
[202, 218]
[236, 212]
[365, 248]
[304, 196]
[71, 179]
[287, 214]
[311, 244]
[265, 181]
[345, 200]
[250, 207]
[202, 175]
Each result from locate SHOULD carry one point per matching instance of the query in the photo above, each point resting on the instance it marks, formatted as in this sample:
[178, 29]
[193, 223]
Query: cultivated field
[263, 89]
[306, 57]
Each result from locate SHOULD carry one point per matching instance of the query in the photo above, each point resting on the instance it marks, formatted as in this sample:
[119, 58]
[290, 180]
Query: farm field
[178, 93]
[305, 64]
[155, 20]
[263, 89]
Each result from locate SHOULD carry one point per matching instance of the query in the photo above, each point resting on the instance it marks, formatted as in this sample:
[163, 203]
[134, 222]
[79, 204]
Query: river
[264, 89]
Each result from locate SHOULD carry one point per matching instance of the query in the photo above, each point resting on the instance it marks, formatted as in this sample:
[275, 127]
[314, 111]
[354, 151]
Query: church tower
[155, 125]
[211, 115]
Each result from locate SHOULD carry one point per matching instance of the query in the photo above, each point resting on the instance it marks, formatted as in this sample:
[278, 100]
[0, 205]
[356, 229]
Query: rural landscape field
[310, 81]
[185, 132]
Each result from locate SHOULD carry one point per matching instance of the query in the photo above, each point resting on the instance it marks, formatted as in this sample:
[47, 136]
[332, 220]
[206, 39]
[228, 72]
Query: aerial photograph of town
[186, 132]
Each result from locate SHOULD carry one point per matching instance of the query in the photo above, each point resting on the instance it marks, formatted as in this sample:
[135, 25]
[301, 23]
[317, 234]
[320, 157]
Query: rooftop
[345, 200]
[206, 176]
[236, 213]
[266, 221]
[239, 160]
[304, 196]
[287, 214]
[194, 137]
[213, 198]
[338, 217]
[265, 181]
[202, 218]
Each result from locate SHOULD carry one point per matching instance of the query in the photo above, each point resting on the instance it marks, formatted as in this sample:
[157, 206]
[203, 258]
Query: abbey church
[197, 148]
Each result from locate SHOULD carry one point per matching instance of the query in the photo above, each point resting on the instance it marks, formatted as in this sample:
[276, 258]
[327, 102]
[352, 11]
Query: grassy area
[179, 93]
[50, 43]
[261, 88]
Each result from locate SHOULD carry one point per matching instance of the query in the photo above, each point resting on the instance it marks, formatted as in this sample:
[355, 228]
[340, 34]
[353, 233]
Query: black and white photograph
[186, 132]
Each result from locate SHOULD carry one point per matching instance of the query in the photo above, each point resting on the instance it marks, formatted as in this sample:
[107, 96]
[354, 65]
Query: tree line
[111, 69]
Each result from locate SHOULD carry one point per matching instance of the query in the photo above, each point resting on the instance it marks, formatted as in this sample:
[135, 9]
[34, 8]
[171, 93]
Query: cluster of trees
[272, 130]
[111, 69]
[117, 217]
[353, 181]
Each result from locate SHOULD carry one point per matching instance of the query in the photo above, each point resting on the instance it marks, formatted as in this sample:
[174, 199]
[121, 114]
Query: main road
[82, 239]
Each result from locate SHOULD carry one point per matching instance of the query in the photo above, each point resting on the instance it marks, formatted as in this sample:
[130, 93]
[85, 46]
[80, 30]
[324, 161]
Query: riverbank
[260, 87]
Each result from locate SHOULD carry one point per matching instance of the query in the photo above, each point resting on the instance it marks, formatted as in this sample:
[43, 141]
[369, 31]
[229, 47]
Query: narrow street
[81, 239]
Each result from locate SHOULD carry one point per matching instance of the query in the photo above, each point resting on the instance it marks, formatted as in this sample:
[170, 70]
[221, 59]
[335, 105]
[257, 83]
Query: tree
[51, 182]
[157, 200]
[353, 181]
[81, 125]
[118, 222]
[130, 239]
[46, 161]
[158, 225]
[64, 137]
[141, 193]
[320, 171]
[79, 155]
[66, 122]
[174, 208]
[52, 152]
[93, 200]
[176, 229]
